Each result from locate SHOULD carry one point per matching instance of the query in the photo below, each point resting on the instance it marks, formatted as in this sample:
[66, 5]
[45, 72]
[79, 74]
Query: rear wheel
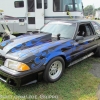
[54, 69]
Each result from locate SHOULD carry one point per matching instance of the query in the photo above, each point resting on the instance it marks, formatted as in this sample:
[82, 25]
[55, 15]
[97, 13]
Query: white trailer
[97, 15]
[22, 16]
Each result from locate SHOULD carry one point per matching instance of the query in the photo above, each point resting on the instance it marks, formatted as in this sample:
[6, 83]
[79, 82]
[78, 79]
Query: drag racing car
[45, 54]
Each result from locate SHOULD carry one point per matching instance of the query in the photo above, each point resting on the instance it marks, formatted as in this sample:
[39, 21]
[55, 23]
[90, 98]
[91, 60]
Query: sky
[96, 3]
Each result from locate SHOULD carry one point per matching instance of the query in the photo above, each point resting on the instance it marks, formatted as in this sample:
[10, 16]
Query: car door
[87, 44]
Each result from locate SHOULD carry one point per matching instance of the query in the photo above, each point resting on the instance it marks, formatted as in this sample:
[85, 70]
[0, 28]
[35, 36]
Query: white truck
[21, 16]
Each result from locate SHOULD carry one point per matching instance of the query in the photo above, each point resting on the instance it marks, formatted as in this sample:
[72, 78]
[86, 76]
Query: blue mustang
[47, 52]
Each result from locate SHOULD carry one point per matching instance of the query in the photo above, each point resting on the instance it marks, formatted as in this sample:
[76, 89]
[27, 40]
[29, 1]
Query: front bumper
[18, 79]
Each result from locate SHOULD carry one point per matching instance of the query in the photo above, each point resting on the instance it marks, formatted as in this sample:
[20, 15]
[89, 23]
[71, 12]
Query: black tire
[47, 75]
[97, 52]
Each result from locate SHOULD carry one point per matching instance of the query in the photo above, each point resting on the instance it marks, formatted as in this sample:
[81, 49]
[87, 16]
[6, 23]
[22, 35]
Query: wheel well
[64, 58]
[66, 62]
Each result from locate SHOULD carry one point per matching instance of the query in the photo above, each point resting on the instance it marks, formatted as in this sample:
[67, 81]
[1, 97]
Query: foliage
[90, 10]
[99, 8]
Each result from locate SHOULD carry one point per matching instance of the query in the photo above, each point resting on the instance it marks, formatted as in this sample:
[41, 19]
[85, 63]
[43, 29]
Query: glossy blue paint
[48, 49]
[4, 43]
[28, 44]
[37, 60]
[44, 53]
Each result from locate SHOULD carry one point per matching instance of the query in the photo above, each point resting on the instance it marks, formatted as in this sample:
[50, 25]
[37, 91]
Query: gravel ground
[96, 69]
[96, 72]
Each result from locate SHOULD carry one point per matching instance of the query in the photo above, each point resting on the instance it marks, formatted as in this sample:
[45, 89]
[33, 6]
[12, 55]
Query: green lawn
[0, 39]
[77, 83]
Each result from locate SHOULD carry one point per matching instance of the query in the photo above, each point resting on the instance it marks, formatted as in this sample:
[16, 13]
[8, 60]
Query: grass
[0, 39]
[77, 83]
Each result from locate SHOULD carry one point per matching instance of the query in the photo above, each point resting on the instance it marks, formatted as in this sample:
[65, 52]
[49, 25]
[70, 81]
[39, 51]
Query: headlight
[15, 65]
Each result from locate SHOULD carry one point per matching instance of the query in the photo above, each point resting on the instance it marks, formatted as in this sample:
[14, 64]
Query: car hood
[23, 42]
[26, 46]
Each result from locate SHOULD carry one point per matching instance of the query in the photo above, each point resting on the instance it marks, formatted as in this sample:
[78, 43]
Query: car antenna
[58, 36]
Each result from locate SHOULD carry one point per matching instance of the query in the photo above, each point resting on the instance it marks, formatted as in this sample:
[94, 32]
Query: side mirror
[79, 38]
[66, 8]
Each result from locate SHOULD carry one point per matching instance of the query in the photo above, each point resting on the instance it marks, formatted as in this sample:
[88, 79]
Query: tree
[89, 10]
[98, 8]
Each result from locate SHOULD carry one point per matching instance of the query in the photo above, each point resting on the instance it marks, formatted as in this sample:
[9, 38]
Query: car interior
[85, 30]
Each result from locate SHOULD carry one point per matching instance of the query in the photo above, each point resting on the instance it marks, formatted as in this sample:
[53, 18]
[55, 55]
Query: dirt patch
[96, 72]
[98, 93]
[96, 69]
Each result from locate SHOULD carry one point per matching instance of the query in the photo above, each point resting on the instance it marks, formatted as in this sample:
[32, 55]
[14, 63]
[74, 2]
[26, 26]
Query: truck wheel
[97, 52]
[54, 69]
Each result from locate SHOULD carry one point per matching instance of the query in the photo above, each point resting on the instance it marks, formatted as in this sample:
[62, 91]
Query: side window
[82, 30]
[60, 5]
[19, 4]
[39, 4]
[56, 5]
[31, 20]
[96, 27]
[89, 30]
[45, 4]
[31, 7]
[85, 30]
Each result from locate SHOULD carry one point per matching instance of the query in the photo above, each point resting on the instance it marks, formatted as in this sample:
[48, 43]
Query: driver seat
[82, 31]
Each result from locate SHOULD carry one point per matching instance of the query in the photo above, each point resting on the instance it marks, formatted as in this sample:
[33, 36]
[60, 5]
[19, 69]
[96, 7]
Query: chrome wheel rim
[55, 69]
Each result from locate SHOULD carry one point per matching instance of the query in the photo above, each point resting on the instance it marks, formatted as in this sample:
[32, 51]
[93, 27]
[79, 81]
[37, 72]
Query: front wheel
[54, 70]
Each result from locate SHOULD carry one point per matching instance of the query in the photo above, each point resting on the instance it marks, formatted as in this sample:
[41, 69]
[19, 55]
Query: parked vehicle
[97, 14]
[47, 52]
[22, 16]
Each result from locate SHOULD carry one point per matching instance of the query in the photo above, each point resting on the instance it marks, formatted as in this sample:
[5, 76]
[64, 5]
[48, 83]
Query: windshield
[73, 5]
[66, 30]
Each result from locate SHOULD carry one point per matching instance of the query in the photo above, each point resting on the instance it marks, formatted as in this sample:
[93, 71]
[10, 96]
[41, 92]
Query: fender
[53, 55]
